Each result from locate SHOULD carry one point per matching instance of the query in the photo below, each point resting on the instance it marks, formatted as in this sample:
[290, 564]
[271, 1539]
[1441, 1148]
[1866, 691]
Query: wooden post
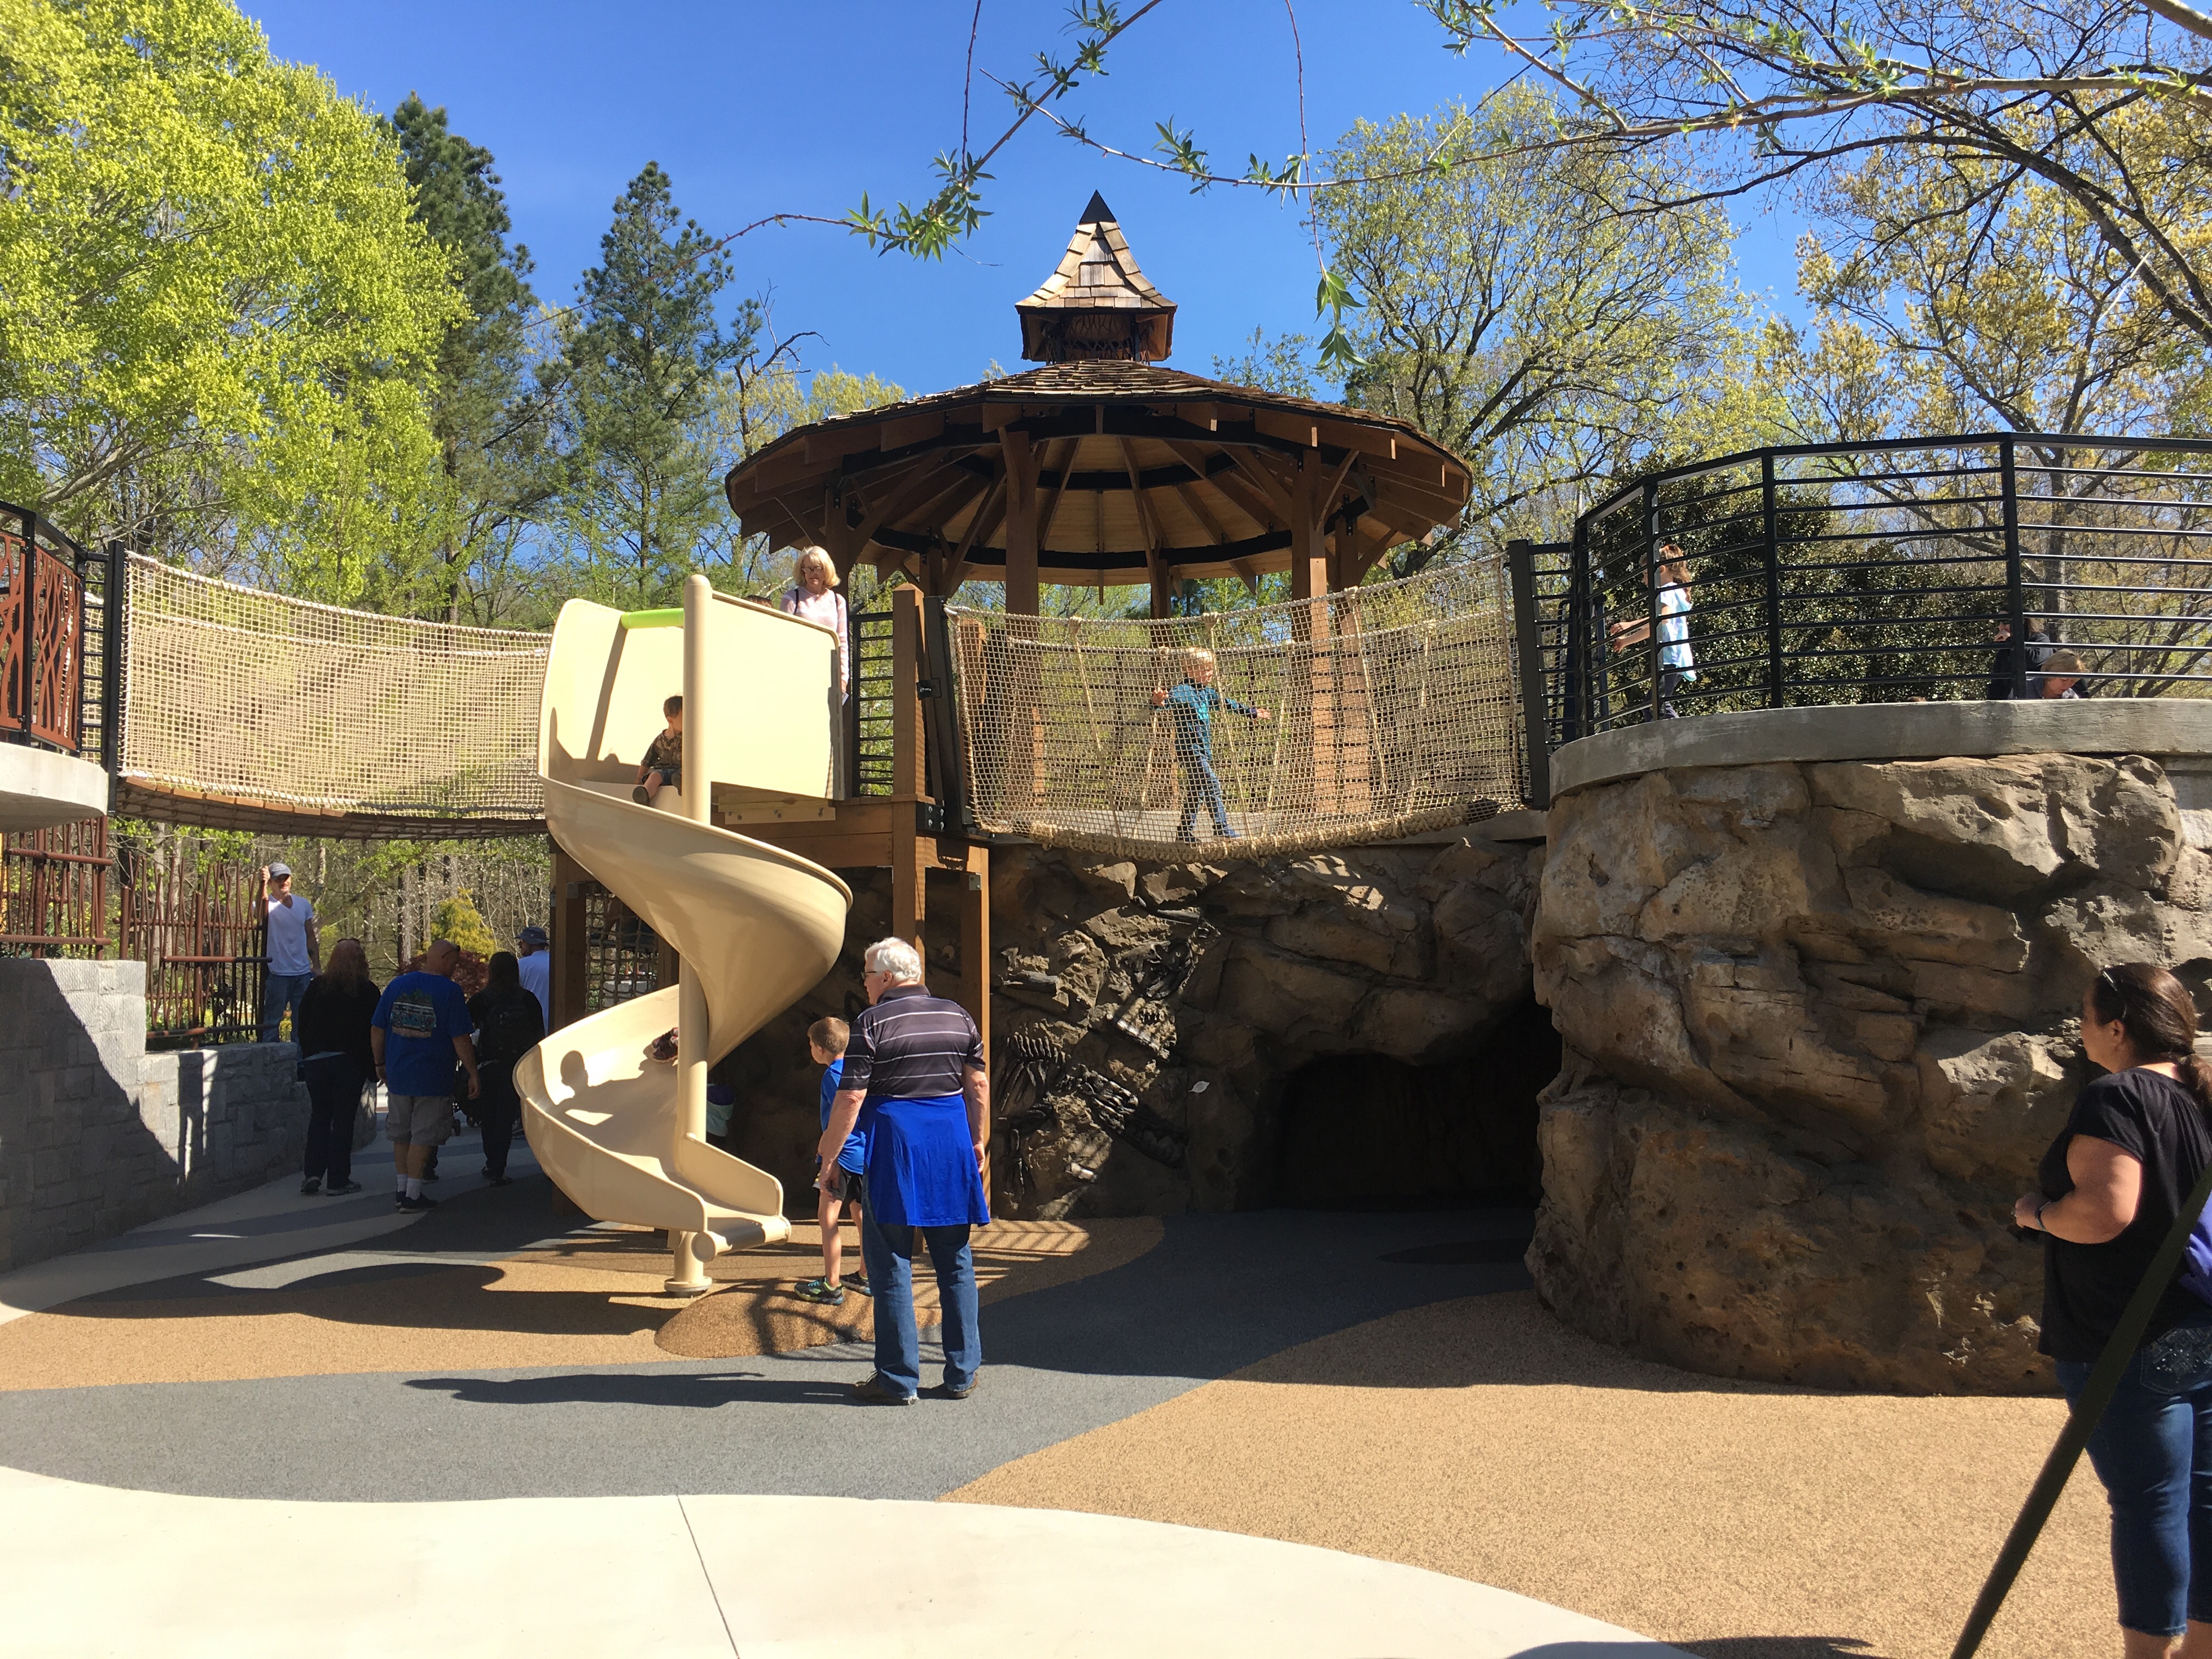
[1309, 582]
[976, 957]
[911, 852]
[1024, 738]
[567, 950]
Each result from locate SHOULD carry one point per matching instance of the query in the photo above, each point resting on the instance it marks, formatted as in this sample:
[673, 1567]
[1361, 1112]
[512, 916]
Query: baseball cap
[276, 869]
[532, 934]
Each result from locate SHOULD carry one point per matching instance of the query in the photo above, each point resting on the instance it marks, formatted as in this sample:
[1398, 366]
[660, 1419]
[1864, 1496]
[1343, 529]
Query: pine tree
[488, 413]
[641, 374]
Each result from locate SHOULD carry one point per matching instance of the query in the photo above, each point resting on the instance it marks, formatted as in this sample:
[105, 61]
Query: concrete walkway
[671, 1506]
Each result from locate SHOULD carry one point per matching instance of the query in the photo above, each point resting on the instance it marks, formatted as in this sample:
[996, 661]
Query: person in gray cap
[535, 963]
[295, 948]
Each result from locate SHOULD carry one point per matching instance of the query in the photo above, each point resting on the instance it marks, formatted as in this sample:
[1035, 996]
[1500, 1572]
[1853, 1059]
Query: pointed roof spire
[1096, 303]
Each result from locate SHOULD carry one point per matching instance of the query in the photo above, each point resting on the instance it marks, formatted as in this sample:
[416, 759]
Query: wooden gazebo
[1102, 468]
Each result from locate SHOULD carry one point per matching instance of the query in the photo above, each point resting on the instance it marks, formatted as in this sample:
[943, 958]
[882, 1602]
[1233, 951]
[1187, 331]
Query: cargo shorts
[419, 1120]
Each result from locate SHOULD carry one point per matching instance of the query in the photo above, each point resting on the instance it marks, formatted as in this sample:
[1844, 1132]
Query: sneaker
[639, 795]
[485, 1172]
[311, 1185]
[431, 1176]
[876, 1392]
[860, 1282]
[415, 1204]
[946, 1391]
[819, 1290]
[340, 1188]
[498, 1181]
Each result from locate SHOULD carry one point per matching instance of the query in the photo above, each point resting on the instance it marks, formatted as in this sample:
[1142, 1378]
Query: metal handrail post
[1651, 589]
[1521, 564]
[27, 607]
[2016, 585]
[1574, 700]
[1774, 688]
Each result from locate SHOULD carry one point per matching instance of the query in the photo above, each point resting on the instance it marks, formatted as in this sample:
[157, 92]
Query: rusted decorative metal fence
[43, 632]
[193, 918]
[54, 891]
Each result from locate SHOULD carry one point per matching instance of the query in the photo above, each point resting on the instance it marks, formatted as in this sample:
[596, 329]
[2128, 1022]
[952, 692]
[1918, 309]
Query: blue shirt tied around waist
[1191, 706]
[853, 1155]
[920, 1162]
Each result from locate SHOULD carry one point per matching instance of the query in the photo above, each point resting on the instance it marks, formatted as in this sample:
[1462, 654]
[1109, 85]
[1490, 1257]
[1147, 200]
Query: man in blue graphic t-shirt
[421, 1026]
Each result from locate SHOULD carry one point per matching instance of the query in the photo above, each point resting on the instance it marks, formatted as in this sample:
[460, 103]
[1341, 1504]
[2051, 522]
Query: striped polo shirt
[911, 1046]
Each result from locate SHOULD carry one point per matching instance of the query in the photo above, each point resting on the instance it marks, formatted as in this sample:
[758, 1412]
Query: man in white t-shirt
[535, 963]
[295, 948]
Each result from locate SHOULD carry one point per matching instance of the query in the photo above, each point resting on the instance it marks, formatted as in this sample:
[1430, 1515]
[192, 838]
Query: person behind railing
[335, 1059]
[2039, 648]
[812, 595]
[2109, 1190]
[2061, 677]
[1676, 667]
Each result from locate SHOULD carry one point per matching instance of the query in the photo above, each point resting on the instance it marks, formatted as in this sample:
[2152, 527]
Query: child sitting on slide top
[825, 1041]
[1192, 705]
[663, 766]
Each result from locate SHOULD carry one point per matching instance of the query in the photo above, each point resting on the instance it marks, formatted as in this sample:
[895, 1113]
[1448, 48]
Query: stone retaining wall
[98, 1136]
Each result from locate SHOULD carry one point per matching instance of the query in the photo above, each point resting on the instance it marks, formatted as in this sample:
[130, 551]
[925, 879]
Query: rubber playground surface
[283, 1420]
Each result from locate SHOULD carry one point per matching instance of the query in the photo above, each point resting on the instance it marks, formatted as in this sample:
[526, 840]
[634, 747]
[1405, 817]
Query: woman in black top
[331, 1027]
[2113, 1184]
[509, 1024]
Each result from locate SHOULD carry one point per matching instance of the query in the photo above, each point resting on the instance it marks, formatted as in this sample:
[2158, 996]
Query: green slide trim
[652, 618]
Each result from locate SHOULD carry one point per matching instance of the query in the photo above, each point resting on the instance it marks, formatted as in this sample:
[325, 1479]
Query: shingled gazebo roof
[1133, 473]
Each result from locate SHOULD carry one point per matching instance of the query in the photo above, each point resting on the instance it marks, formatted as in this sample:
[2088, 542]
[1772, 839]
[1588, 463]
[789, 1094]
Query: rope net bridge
[243, 706]
[1392, 708]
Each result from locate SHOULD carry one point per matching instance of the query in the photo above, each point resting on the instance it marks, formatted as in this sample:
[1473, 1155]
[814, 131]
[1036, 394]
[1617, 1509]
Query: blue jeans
[2153, 1451]
[888, 1252]
[1201, 786]
[283, 992]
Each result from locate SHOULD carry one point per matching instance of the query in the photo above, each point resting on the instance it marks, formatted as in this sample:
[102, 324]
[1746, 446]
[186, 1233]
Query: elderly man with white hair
[915, 1083]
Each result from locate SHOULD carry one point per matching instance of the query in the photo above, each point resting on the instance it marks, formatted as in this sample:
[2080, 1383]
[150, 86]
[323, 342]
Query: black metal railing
[1889, 572]
[866, 763]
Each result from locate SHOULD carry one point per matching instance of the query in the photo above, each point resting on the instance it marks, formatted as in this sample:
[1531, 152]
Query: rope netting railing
[238, 693]
[1391, 709]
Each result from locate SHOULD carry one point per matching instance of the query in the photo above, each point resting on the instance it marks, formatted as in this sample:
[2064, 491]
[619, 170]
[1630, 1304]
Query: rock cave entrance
[1367, 1132]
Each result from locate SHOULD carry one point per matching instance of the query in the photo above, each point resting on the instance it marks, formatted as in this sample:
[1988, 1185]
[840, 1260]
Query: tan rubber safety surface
[593, 1298]
[1478, 1437]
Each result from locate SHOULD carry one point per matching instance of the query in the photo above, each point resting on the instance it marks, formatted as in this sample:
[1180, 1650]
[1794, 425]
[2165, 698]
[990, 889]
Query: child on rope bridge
[1191, 706]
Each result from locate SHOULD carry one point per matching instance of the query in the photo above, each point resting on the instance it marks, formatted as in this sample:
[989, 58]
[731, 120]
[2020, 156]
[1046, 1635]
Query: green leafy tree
[216, 312]
[1514, 316]
[487, 412]
[640, 373]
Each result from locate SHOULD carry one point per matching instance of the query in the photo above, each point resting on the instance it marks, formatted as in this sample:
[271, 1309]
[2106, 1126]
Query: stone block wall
[97, 1136]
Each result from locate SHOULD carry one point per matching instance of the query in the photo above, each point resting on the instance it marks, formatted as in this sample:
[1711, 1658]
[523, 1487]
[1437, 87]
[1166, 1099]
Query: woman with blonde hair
[813, 596]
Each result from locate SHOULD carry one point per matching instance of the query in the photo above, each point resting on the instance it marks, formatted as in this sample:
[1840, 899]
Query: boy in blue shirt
[421, 1026]
[825, 1041]
[1191, 705]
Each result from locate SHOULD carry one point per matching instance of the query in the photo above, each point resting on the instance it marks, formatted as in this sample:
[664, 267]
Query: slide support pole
[692, 1251]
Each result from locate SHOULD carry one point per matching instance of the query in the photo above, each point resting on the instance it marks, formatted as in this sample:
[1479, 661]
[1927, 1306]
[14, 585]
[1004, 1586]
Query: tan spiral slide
[625, 1137]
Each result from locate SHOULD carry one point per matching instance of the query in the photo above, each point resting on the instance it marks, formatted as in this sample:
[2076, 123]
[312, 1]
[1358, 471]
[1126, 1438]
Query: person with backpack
[2111, 1187]
[508, 1025]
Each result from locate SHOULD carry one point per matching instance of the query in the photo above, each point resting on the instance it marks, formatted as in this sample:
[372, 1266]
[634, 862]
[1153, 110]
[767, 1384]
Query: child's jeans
[1199, 786]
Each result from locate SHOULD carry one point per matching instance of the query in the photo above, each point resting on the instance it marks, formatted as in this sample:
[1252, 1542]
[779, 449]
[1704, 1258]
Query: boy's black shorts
[850, 1185]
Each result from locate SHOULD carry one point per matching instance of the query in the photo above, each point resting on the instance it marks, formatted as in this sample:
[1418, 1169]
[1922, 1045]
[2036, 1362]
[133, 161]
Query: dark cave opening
[1366, 1131]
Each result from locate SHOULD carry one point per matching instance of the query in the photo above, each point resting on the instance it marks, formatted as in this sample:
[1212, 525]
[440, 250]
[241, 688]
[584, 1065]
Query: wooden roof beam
[1249, 501]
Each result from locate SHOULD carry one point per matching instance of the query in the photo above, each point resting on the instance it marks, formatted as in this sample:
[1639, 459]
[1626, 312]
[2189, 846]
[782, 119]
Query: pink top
[827, 608]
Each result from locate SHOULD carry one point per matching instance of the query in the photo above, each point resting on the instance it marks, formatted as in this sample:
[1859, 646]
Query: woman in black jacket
[2112, 1185]
[509, 1024]
[331, 1027]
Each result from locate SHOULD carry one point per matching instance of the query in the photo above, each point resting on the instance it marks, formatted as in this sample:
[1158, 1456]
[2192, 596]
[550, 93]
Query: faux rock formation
[1820, 1022]
[1161, 1029]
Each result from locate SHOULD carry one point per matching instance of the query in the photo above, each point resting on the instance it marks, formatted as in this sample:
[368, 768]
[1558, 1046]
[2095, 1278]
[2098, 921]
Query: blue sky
[755, 106]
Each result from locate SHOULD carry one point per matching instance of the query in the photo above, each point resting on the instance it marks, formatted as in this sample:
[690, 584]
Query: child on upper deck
[663, 765]
[1191, 706]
